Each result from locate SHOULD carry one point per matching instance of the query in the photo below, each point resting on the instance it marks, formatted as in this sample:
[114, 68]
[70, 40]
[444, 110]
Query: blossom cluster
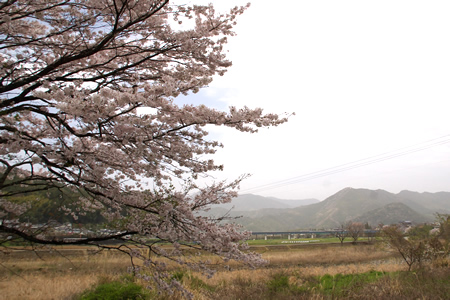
[74, 74]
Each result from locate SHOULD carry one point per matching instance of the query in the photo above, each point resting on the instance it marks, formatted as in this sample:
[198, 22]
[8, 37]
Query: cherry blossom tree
[74, 74]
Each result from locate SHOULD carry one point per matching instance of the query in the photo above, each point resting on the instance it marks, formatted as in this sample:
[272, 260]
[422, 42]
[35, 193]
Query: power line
[352, 165]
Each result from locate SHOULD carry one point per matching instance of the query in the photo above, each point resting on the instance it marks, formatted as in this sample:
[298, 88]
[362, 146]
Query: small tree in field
[73, 76]
[420, 243]
[355, 230]
[411, 250]
[342, 233]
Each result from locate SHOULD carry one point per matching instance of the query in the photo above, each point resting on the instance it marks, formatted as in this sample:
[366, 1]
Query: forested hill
[52, 204]
[349, 204]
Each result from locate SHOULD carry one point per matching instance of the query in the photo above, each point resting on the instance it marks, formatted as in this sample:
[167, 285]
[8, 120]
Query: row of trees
[350, 229]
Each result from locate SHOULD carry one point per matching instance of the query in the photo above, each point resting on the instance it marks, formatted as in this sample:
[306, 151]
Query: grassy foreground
[318, 272]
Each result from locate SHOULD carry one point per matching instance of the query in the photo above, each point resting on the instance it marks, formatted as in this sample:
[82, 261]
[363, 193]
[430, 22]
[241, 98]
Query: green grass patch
[116, 290]
[339, 284]
[179, 275]
[198, 284]
[317, 240]
[291, 241]
[279, 282]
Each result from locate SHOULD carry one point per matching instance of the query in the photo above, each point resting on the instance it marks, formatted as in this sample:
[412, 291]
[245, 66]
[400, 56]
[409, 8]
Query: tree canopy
[74, 73]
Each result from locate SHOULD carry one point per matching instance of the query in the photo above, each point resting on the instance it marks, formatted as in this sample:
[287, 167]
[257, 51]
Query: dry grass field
[57, 274]
[291, 273]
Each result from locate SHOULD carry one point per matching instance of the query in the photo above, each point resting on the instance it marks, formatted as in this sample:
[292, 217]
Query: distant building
[405, 225]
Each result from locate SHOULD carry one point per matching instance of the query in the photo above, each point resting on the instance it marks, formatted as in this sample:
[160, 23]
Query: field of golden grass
[64, 274]
[55, 275]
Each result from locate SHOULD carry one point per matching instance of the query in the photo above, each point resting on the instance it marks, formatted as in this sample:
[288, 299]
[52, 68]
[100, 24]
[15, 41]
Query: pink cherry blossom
[73, 75]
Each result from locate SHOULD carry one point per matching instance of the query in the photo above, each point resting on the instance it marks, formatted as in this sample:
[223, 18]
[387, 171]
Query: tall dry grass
[303, 262]
[53, 275]
[65, 274]
[38, 286]
[297, 264]
[328, 255]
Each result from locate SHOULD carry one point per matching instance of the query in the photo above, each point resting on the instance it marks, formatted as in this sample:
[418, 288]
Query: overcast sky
[369, 82]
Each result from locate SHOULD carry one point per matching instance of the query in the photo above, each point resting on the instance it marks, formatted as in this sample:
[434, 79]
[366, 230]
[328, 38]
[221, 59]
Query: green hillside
[373, 206]
[392, 213]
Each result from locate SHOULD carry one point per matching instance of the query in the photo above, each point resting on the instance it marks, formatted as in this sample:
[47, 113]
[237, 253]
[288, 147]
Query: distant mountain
[373, 206]
[390, 214]
[347, 204]
[297, 203]
[426, 203]
[250, 202]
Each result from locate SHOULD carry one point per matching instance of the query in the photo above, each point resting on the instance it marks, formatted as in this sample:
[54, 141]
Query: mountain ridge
[250, 202]
[349, 204]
